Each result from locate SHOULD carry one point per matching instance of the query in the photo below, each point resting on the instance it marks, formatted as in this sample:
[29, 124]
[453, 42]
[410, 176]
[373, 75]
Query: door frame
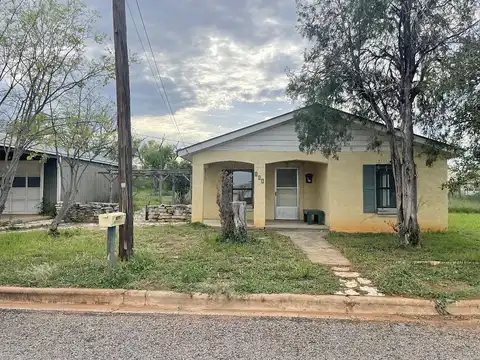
[298, 192]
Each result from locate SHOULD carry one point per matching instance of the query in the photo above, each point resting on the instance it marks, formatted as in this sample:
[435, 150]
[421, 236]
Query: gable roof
[186, 152]
[48, 150]
[102, 160]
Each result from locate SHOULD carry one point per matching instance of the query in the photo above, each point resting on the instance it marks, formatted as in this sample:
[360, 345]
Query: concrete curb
[293, 304]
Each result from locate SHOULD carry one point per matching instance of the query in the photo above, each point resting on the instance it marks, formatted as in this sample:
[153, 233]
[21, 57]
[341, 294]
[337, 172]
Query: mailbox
[111, 219]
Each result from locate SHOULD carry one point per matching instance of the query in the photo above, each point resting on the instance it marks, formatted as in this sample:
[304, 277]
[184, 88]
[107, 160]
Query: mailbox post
[111, 221]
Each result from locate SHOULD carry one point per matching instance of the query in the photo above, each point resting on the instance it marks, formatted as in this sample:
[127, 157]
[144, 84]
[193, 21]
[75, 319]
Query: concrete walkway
[320, 251]
[317, 249]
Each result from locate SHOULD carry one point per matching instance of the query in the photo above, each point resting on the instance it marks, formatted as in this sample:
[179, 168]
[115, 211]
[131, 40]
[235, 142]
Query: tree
[161, 156]
[381, 60]
[456, 90]
[156, 155]
[182, 185]
[43, 46]
[83, 129]
[465, 172]
[112, 152]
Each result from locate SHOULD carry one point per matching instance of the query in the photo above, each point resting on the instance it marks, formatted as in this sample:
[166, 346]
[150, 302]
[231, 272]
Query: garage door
[26, 193]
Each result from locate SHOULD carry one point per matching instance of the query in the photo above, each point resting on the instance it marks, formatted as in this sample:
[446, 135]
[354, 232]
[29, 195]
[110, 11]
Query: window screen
[287, 178]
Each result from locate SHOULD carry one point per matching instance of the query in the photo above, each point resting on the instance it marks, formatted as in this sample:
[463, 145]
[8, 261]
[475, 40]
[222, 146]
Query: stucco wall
[346, 197]
[309, 194]
[336, 188]
[321, 177]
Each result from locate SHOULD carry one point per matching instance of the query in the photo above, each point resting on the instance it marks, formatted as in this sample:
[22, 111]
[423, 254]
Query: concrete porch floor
[277, 225]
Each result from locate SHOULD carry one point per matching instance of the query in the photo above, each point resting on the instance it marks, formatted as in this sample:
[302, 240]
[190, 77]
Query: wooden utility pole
[124, 129]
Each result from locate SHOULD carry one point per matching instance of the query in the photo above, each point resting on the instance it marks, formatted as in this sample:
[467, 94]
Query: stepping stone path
[353, 284]
[347, 274]
[320, 251]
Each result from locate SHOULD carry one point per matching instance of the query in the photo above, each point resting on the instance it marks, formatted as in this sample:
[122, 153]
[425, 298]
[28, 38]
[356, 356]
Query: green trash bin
[314, 216]
[321, 218]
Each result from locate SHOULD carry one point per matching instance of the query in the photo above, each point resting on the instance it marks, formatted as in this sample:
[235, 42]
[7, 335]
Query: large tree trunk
[406, 195]
[410, 231]
[406, 171]
[53, 229]
[405, 175]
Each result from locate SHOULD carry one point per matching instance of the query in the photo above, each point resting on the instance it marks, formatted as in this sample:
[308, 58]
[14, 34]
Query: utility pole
[124, 129]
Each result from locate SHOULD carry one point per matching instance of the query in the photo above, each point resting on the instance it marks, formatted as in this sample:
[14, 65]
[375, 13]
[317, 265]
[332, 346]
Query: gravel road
[40, 335]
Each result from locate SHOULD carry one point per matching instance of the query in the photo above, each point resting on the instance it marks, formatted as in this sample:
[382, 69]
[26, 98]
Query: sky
[223, 63]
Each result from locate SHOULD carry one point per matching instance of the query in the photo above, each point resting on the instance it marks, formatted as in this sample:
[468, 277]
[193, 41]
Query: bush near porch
[185, 258]
[408, 272]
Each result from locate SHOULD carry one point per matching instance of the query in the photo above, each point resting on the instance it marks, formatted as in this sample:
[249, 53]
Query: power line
[164, 138]
[145, 51]
[156, 64]
[166, 99]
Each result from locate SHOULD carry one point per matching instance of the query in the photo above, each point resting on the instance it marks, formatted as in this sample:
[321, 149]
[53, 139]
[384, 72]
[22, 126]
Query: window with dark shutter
[369, 196]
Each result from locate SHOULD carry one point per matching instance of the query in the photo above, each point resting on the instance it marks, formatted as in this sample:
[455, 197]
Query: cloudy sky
[223, 63]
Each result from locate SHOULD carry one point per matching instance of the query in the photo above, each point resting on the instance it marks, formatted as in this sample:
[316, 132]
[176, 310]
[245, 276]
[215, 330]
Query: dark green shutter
[369, 202]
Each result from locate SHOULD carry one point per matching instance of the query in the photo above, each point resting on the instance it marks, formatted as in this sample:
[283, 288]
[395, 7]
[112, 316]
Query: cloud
[222, 63]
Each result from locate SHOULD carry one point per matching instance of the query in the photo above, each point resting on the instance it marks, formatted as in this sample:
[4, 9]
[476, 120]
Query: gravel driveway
[37, 335]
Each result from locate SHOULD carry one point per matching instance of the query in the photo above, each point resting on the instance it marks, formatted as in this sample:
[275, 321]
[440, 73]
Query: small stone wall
[169, 213]
[87, 213]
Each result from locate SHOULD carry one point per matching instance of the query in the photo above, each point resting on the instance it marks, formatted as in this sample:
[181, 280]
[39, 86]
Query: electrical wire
[165, 99]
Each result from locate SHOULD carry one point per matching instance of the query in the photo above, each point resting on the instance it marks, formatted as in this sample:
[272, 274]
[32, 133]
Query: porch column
[259, 183]
[198, 176]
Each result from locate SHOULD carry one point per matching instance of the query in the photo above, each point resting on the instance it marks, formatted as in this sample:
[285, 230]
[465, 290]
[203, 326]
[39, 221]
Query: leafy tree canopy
[404, 63]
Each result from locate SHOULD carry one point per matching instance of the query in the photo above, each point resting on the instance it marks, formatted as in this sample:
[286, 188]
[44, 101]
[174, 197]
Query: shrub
[47, 208]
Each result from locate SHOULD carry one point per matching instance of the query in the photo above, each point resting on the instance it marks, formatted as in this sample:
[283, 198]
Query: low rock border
[287, 304]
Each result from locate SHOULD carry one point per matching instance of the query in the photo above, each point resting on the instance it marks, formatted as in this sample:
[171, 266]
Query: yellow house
[356, 191]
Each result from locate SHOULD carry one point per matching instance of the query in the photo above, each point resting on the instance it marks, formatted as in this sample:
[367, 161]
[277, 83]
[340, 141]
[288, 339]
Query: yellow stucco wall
[346, 195]
[336, 188]
[309, 194]
[207, 167]
[323, 200]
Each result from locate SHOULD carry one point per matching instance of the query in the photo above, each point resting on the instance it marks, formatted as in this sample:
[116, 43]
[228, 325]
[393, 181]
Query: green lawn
[396, 271]
[184, 258]
[142, 197]
[466, 204]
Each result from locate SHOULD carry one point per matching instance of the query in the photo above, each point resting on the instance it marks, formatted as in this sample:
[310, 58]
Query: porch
[276, 193]
[277, 225]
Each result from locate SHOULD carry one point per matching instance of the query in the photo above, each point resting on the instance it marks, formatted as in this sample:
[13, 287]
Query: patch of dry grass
[185, 258]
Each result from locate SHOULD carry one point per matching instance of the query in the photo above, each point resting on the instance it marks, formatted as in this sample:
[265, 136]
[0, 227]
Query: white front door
[286, 194]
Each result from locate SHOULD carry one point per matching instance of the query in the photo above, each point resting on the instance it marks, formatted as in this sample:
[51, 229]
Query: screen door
[286, 194]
